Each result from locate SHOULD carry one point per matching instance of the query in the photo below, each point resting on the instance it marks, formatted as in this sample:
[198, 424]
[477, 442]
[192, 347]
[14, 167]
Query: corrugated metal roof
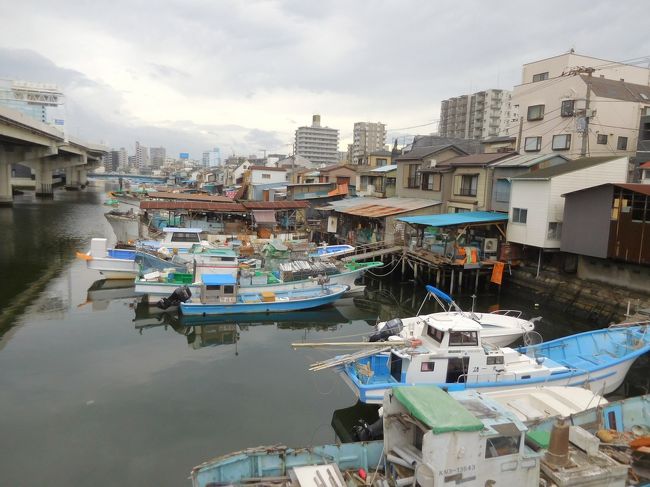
[274, 205]
[636, 187]
[388, 168]
[527, 160]
[165, 195]
[264, 216]
[453, 219]
[559, 169]
[192, 205]
[379, 207]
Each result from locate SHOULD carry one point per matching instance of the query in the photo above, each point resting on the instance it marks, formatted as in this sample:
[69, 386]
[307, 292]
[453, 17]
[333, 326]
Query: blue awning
[218, 279]
[452, 219]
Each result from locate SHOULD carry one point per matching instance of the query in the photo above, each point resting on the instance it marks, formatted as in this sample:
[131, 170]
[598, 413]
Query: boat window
[507, 444]
[228, 289]
[418, 436]
[228, 259]
[213, 288]
[495, 360]
[436, 334]
[457, 338]
[185, 237]
[427, 366]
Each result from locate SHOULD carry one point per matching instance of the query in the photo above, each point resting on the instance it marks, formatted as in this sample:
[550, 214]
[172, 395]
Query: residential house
[471, 182]
[552, 101]
[609, 222]
[504, 143]
[377, 181]
[504, 169]
[412, 182]
[537, 206]
[318, 195]
[261, 180]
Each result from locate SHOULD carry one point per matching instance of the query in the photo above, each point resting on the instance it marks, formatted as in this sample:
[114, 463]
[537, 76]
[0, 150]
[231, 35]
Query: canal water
[96, 390]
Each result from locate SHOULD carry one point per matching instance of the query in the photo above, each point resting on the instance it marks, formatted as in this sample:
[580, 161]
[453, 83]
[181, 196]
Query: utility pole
[585, 133]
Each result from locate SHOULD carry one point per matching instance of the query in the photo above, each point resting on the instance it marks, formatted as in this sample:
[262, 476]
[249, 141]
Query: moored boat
[111, 263]
[327, 251]
[453, 356]
[220, 295]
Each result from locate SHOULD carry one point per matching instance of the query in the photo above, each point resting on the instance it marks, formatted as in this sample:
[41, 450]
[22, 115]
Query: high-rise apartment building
[318, 144]
[141, 156]
[157, 155]
[212, 158]
[478, 116]
[367, 137]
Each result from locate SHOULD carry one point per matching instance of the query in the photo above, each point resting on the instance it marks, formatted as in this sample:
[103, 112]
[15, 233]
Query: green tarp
[437, 409]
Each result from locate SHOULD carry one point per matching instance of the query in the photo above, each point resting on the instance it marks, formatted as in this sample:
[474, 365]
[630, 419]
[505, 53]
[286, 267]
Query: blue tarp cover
[451, 219]
[218, 279]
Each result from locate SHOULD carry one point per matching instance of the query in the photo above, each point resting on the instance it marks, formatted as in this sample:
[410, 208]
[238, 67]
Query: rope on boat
[389, 272]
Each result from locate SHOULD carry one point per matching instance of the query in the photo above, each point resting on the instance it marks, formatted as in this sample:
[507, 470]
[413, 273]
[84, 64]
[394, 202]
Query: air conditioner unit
[490, 245]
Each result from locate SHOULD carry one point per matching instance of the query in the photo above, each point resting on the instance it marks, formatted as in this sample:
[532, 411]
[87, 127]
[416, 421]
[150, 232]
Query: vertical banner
[497, 273]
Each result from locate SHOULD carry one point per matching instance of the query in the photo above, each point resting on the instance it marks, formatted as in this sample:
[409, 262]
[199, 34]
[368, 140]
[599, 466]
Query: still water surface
[94, 390]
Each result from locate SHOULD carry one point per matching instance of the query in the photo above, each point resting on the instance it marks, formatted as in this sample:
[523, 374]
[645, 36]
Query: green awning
[437, 409]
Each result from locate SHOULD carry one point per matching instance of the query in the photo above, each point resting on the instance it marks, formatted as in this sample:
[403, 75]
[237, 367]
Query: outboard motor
[180, 295]
[368, 432]
[391, 328]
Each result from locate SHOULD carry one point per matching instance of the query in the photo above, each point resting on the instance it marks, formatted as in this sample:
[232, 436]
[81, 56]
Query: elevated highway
[43, 149]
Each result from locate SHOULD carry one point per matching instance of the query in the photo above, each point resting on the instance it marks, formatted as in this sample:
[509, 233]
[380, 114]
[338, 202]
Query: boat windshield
[460, 338]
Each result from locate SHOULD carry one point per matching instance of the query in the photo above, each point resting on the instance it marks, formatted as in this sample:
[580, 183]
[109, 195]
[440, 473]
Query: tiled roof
[618, 90]
[419, 153]
[478, 159]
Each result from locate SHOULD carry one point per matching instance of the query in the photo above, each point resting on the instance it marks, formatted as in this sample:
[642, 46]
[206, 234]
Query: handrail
[507, 312]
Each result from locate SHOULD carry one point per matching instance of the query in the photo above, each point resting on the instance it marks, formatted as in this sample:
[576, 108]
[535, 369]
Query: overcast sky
[243, 75]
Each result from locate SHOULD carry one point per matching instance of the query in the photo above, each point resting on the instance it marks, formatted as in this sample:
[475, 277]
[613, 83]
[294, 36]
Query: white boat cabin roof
[184, 230]
[452, 322]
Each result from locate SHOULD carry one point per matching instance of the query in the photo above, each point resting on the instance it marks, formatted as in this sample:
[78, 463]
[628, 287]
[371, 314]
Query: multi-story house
[318, 144]
[367, 137]
[379, 177]
[580, 106]
[478, 116]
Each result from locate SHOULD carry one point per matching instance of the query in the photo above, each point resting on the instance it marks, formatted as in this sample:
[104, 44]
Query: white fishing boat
[453, 356]
[175, 239]
[500, 328]
[110, 263]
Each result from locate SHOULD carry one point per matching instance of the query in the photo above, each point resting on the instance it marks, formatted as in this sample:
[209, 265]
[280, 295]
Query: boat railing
[515, 313]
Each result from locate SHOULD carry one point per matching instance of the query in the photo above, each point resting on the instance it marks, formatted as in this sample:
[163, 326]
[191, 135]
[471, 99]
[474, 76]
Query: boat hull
[278, 306]
[114, 268]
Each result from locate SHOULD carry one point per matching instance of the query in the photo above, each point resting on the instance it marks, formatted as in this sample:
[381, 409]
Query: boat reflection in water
[102, 292]
[224, 330]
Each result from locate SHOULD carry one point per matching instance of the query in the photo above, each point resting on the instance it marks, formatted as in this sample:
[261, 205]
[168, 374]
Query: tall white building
[367, 137]
[478, 116]
[141, 156]
[318, 144]
[212, 158]
[42, 102]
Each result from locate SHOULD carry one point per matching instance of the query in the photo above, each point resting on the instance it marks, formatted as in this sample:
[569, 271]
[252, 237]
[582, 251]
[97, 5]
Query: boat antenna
[473, 301]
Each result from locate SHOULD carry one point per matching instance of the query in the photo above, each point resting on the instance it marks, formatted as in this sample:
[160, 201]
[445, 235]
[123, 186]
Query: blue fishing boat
[332, 251]
[219, 295]
[453, 356]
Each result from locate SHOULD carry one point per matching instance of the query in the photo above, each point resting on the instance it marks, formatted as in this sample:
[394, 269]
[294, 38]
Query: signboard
[184, 155]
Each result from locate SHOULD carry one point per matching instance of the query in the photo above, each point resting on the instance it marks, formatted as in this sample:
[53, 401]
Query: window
[431, 182]
[535, 112]
[622, 143]
[519, 215]
[532, 144]
[554, 231]
[540, 77]
[457, 338]
[427, 366]
[645, 134]
[213, 287]
[412, 176]
[466, 184]
[506, 444]
[229, 289]
[502, 191]
[436, 334]
[561, 142]
[266, 176]
[185, 237]
[601, 139]
[639, 211]
[382, 162]
[567, 109]
[495, 360]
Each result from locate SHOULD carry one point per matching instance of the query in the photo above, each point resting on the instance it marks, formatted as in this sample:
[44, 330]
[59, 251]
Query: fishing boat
[327, 251]
[498, 328]
[430, 438]
[453, 356]
[111, 263]
[175, 239]
[220, 295]
[253, 280]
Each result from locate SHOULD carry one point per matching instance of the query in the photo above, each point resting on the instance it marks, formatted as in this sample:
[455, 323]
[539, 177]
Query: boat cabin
[431, 438]
[218, 288]
[210, 260]
[452, 351]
